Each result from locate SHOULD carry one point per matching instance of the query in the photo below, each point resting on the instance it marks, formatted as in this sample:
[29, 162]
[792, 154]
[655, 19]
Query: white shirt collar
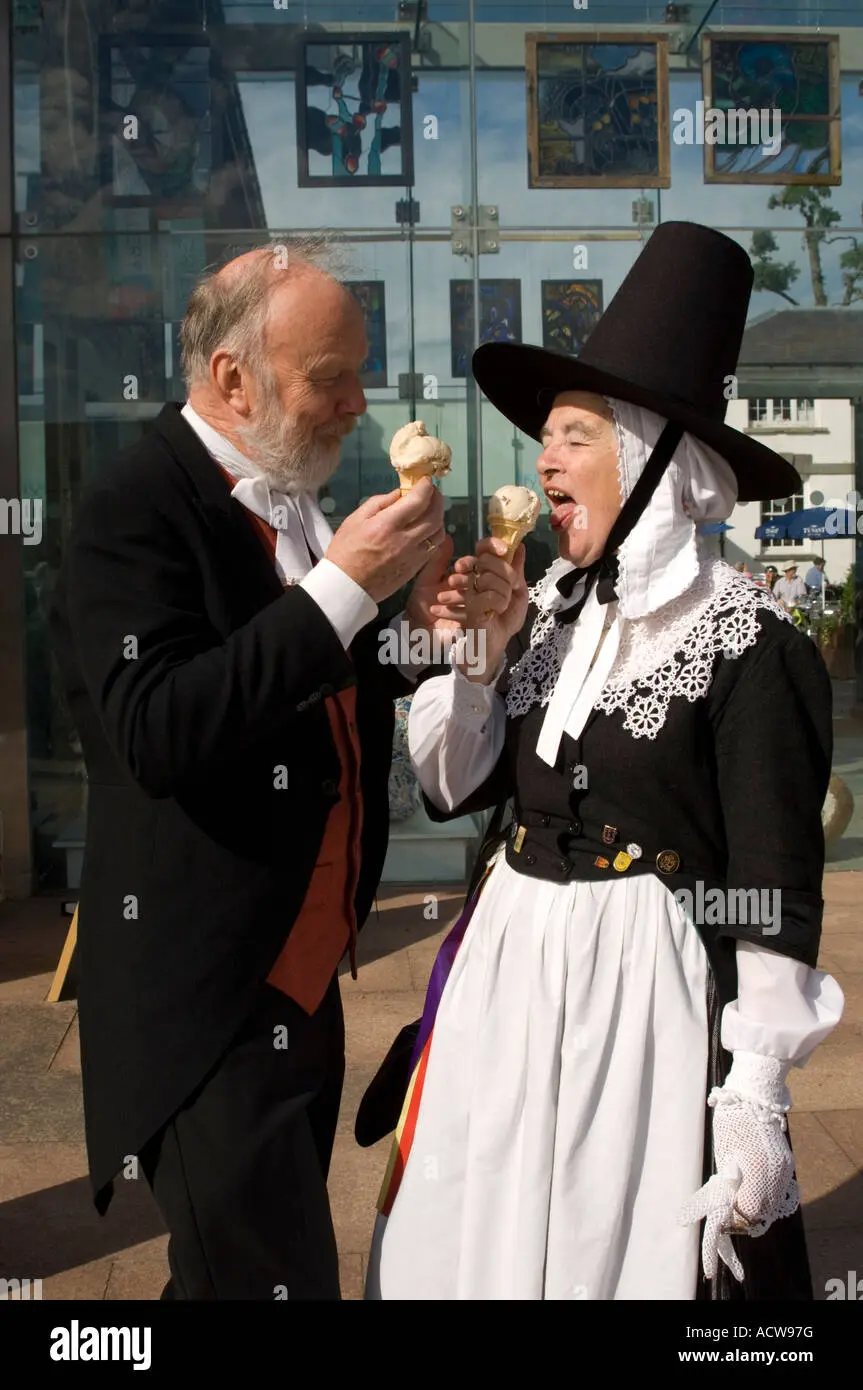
[238, 464]
[299, 521]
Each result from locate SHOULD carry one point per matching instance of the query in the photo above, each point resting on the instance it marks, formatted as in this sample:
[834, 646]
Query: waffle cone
[408, 480]
[511, 532]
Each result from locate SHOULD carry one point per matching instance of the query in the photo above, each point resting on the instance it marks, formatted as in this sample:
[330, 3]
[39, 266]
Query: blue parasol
[813, 523]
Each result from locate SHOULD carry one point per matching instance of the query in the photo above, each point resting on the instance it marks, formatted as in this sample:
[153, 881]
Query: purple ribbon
[440, 974]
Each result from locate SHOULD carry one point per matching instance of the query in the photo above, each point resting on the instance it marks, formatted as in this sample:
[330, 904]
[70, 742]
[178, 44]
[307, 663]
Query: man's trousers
[240, 1172]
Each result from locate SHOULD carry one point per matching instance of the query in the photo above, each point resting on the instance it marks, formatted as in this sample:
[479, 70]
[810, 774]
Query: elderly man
[790, 590]
[220, 652]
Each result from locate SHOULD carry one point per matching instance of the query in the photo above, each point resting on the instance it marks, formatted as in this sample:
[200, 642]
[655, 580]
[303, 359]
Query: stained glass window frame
[833, 118]
[332, 39]
[546, 286]
[534, 42]
[162, 205]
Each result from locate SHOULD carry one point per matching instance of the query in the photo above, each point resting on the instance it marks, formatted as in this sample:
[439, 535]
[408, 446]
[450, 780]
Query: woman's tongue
[561, 514]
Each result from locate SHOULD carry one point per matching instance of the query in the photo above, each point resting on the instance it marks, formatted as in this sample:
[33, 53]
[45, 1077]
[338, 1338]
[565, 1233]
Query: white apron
[562, 1116]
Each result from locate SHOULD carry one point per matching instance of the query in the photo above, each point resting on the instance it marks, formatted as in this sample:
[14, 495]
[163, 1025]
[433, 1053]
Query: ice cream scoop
[415, 454]
[512, 513]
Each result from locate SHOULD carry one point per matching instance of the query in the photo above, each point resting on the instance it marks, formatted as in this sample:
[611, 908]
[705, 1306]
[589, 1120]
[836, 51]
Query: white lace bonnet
[658, 561]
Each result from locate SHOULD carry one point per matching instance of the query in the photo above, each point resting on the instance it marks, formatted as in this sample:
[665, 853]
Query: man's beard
[293, 457]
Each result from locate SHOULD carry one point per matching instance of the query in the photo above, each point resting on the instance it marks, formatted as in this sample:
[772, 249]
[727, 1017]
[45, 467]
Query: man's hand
[486, 593]
[389, 539]
[427, 587]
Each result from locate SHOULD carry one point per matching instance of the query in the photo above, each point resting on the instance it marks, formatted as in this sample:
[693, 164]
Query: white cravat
[299, 521]
[583, 673]
[658, 561]
[300, 525]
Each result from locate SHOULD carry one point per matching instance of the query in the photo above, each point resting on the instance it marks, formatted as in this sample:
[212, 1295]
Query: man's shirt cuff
[347, 606]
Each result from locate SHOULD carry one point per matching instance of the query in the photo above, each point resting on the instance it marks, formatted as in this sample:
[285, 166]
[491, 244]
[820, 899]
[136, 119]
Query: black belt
[547, 846]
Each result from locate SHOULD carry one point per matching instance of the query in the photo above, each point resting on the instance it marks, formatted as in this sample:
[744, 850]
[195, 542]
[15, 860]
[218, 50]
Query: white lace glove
[754, 1183]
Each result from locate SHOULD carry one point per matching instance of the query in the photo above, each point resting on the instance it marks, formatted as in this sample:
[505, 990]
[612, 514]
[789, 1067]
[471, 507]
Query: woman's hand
[754, 1183]
[487, 594]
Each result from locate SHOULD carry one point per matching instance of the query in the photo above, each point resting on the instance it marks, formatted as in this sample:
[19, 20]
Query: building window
[781, 410]
[780, 507]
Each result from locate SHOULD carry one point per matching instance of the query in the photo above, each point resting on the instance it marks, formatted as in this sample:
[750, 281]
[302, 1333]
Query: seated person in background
[790, 590]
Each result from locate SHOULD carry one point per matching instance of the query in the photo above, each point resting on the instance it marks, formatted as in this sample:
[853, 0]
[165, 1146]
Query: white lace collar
[668, 654]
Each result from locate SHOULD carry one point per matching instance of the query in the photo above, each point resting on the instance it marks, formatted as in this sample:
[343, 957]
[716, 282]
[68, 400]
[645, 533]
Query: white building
[799, 378]
[817, 436]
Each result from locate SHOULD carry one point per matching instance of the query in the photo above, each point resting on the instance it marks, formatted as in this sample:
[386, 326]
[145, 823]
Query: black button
[545, 822]
[574, 827]
[329, 788]
[563, 865]
[530, 859]
[326, 691]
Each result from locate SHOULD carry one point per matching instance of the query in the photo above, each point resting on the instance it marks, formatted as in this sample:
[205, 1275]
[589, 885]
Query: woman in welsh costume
[598, 1102]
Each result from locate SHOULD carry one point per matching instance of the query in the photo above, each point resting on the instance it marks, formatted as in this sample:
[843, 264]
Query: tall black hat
[668, 341]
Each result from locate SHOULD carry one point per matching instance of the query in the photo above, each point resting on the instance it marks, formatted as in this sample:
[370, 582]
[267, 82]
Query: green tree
[852, 272]
[811, 203]
[773, 276]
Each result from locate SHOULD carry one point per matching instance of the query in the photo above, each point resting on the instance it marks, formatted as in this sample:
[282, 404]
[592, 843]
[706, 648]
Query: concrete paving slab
[31, 1035]
[355, 1181]
[847, 954]
[85, 1282]
[32, 935]
[389, 971]
[823, 1169]
[422, 958]
[846, 1128]
[68, 1057]
[352, 1274]
[372, 1021]
[843, 892]
[56, 1227]
[357, 1078]
[41, 1109]
[832, 1254]
[832, 1080]
[139, 1272]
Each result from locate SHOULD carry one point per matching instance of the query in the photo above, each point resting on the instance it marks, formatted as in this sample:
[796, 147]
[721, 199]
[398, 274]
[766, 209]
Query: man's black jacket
[194, 679]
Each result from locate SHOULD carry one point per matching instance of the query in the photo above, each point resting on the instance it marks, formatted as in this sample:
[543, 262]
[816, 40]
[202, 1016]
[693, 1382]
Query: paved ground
[49, 1230]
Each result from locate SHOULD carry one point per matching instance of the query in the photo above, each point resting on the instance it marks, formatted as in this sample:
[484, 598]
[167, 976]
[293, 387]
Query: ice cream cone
[512, 532]
[512, 513]
[409, 480]
[415, 454]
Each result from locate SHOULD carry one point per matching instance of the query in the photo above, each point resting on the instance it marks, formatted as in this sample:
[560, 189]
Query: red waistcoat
[326, 926]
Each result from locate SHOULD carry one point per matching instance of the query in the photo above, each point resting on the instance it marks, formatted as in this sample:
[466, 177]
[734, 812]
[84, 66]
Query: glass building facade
[492, 167]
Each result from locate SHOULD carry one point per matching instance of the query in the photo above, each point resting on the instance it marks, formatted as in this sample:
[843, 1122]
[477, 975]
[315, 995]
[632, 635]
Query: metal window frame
[16, 842]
